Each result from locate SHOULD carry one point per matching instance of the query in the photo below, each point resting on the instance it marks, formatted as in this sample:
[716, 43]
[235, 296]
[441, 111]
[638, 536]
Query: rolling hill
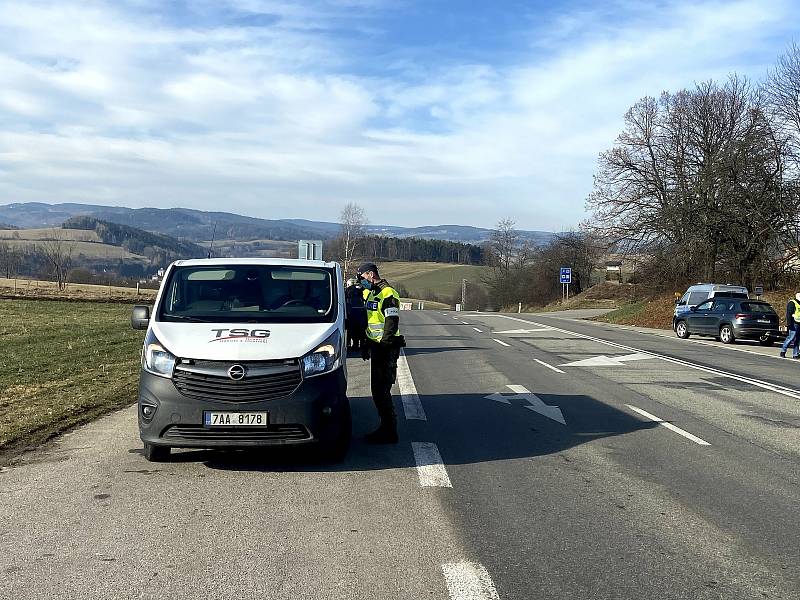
[197, 225]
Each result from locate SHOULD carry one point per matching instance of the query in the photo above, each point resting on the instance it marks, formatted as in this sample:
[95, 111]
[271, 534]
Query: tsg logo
[241, 335]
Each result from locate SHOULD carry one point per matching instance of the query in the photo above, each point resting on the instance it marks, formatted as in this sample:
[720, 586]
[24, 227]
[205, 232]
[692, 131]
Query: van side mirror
[693, 308]
[140, 318]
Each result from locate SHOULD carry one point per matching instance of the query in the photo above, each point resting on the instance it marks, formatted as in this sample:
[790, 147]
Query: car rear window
[757, 307]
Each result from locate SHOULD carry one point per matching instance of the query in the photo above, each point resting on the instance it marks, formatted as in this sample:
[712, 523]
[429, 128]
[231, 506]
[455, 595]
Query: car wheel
[681, 330]
[766, 340]
[334, 449]
[726, 334]
[156, 453]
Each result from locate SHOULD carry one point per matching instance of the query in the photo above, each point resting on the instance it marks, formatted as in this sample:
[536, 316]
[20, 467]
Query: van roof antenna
[213, 235]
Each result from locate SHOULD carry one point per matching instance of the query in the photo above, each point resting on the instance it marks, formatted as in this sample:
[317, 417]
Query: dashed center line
[430, 467]
[469, 581]
[502, 343]
[412, 406]
[669, 426]
[478, 330]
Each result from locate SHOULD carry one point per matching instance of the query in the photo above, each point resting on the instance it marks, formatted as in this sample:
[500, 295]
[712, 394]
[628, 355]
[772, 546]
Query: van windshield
[249, 294]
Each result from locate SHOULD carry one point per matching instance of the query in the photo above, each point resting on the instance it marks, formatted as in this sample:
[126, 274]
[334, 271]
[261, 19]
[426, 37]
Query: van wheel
[156, 453]
[681, 330]
[726, 334]
[334, 449]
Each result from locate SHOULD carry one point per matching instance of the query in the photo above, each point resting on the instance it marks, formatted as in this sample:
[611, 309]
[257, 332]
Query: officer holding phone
[382, 347]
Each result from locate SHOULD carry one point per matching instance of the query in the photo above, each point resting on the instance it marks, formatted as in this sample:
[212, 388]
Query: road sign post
[565, 277]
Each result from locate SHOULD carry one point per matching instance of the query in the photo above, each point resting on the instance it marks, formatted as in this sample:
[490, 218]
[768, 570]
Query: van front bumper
[314, 412]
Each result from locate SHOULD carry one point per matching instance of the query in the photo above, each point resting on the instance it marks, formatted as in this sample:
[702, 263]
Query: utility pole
[463, 294]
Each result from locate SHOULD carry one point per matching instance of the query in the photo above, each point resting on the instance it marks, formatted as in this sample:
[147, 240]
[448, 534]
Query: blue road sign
[566, 275]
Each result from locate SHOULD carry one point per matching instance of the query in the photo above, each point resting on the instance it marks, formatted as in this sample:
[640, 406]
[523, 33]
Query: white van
[244, 353]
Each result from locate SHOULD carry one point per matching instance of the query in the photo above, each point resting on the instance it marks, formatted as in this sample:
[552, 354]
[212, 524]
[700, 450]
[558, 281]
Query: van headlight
[155, 358]
[325, 358]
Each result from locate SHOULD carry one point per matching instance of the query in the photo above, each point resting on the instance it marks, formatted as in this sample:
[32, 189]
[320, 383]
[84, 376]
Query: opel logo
[237, 372]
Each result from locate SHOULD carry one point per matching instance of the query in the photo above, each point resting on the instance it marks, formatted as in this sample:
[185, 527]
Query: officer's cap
[368, 267]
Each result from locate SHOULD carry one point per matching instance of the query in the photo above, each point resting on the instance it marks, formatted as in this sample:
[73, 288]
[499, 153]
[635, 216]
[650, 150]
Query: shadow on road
[470, 429]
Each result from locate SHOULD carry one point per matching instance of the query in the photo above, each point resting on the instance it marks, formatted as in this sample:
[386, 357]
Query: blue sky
[424, 112]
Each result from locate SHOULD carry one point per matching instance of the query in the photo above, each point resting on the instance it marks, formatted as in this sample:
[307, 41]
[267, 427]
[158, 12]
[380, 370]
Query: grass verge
[63, 364]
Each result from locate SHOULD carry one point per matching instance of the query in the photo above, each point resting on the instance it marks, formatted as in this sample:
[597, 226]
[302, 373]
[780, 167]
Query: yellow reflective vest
[376, 314]
[796, 315]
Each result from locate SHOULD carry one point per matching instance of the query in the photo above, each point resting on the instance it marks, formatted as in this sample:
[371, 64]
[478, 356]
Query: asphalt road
[540, 457]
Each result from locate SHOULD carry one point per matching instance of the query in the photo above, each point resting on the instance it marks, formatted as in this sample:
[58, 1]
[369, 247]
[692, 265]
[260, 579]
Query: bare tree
[783, 91]
[10, 259]
[353, 222]
[57, 252]
[505, 245]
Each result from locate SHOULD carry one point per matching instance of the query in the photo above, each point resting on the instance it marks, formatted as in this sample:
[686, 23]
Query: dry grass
[27, 288]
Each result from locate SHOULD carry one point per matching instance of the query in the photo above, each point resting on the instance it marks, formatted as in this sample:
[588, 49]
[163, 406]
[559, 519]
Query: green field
[421, 278]
[63, 364]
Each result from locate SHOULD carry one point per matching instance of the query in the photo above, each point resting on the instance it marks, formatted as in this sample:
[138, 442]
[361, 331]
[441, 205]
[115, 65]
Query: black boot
[385, 434]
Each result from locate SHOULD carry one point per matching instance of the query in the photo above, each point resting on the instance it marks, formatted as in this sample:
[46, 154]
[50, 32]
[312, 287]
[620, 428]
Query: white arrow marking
[535, 403]
[609, 361]
[516, 331]
[499, 398]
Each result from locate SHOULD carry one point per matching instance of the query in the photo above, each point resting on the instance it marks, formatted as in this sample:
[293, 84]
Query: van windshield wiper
[188, 318]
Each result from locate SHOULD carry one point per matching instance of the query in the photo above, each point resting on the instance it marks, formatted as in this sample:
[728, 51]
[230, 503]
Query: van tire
[156, 453]
[682, 330]
[726, 334]
[334, 450]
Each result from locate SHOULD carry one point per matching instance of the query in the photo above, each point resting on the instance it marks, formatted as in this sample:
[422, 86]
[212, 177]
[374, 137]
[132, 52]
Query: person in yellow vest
[382, 348]
[792, 327]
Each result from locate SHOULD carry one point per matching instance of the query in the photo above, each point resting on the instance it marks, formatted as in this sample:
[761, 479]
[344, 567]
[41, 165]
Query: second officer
[382, 348]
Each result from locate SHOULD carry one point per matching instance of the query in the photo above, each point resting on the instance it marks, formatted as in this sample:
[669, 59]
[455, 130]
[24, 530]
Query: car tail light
[744, 316]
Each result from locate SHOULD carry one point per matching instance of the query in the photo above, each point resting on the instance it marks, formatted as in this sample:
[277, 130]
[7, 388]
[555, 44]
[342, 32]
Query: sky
[422, 111]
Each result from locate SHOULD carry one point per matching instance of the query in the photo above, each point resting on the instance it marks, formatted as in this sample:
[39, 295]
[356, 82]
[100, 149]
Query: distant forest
[376, 247]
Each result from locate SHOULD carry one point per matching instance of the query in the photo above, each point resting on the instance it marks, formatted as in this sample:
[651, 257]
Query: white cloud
[107, 103]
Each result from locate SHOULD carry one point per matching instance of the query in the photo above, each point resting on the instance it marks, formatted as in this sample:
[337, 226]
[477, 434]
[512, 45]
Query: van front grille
[209, 380]
[198, 433]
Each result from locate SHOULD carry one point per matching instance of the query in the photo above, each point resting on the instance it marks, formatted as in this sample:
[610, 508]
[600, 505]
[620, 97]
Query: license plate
[235, 419]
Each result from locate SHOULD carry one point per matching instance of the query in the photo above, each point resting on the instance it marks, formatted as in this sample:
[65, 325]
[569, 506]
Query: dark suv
[730, 318]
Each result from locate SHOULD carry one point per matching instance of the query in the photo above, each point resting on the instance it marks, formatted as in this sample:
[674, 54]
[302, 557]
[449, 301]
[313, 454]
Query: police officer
[382, 347]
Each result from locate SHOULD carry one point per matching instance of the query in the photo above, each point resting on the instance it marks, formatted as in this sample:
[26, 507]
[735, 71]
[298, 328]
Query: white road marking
[669, 426]
[464, 323]
[469, 581]
[778, 389]
[544, 364]
[608, 361]
[430, 467]
[520, 331]
[502, 343]
[478, 330]
[412, 406]
[535, 403]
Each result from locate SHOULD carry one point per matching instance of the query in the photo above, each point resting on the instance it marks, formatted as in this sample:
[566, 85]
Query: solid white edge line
[478, 330]
[430, 467]
[412, 406]
[544, 364]
[669, 426]
[778, 389]
[469, 581]
[502, 343]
